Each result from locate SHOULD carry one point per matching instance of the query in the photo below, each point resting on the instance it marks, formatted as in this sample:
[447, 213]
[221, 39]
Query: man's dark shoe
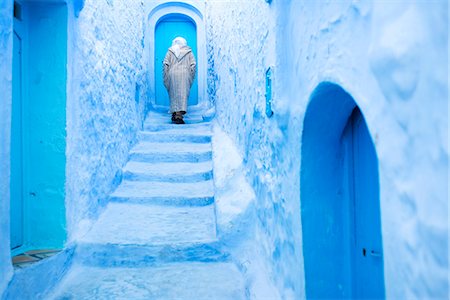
[177, 117]
[179, 121]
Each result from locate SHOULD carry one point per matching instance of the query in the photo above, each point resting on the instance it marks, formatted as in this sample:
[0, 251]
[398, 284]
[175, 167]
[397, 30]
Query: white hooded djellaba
[179, 73]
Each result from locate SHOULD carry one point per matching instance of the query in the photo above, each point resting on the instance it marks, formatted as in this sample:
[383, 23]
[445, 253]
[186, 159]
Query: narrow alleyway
[314, 162]
[157, 236]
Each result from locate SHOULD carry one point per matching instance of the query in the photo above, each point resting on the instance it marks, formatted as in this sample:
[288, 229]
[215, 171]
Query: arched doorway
[168, 28]
[340, 208]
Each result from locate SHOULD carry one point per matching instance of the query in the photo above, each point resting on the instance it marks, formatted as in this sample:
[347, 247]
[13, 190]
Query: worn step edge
[165, 109]
[176, 178]
[170, 157]
[133, 255]
[168, 119]
[162, 127]
[162, 200]
[181, 137]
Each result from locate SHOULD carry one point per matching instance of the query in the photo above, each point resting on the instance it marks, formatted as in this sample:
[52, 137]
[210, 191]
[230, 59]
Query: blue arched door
[340, 206]
[166, 30]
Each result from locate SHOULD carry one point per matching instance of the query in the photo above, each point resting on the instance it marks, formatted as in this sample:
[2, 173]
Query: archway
[187, 11]
[169, 27]
[340, 209]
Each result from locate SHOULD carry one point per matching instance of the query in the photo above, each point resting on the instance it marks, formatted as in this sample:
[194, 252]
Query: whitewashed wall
[103, 110]
[393, 59]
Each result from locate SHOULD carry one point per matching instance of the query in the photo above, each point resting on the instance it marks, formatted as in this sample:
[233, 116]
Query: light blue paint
[170, 27]
[16, 207]
[6, 62]
[178, 255]
[339, 200]
[38, 134]
[272, 156]
[78, 6]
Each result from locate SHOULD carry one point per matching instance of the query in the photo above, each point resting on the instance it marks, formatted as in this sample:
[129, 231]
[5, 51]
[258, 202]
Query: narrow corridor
[157, 235]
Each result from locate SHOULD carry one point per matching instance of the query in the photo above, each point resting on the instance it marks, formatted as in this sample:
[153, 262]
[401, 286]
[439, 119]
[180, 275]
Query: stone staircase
[156, 238]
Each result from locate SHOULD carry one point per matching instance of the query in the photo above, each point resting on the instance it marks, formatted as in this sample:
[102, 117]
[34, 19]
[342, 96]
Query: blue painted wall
[6, 40]
[17, 230]
[47, 124]
[390, 56]
[166, 30]
[39, 122]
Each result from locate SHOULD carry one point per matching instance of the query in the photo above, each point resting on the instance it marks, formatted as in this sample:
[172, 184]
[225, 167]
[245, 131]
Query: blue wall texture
[87, 125]
[390, 58]
[382, 54]
[106, 102]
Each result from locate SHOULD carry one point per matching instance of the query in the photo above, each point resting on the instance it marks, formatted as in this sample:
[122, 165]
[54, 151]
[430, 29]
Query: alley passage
[156, 239]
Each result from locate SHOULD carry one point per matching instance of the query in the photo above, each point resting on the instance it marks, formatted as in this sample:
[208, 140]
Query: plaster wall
[241, 46]
[391, 57]
[106, 102]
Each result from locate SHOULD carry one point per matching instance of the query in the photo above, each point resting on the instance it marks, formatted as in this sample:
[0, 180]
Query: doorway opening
[340, 206]
[38, 122]
[166, 30]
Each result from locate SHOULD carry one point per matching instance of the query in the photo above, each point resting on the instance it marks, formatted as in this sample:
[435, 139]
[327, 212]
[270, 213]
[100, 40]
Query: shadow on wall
[340, 205]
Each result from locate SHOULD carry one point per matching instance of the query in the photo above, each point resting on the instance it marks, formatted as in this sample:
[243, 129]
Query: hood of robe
[179, 47]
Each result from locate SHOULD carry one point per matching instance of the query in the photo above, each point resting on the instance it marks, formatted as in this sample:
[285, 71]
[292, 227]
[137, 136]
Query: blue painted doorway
[38, 126]
[340, 206]
[16, 208]
[167, 29]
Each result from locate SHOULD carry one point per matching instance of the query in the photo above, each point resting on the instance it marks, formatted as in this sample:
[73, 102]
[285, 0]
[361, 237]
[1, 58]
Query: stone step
[134, 224]
[167, 119]
[149, 126]
[168, 172]
[175, 136]
[166, 109]
[191, 280]
[183, 130]
[130, 255]
[165, 193]
[171, 152]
